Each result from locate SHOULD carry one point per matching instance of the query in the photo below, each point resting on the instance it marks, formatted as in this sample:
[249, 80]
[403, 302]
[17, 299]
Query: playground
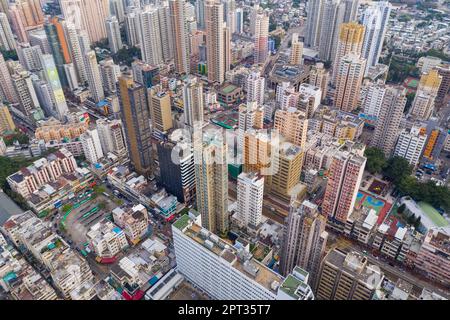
[380, 206]
[377, 187]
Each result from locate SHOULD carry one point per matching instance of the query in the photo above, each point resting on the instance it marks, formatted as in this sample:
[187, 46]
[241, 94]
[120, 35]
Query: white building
[255, 87]
[295, 286]
[410, 144]
[111, 135]
[113, 32]
[426, 64]
[373, 99]
[94, 78]
[375, 20]
[250, 192]
[91, 146]
[222, 271]
[107, 239]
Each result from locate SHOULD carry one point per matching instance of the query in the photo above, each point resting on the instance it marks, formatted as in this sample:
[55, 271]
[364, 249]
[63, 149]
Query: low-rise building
[133, 220]
[107, 239]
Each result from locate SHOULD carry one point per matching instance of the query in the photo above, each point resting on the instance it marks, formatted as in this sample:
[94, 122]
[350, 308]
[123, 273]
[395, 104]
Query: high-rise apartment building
[427, 91]
[7, 91]
[255, 87]
[296, 56]
[313, 23]
[150, 42]
[292, 125]
[113, 33]
[375, 19]
[261, 36]
[176, 164]
[250, 192]
[89, 15]
[309, 99]
[26, 94]
[347, 276]
[389, 118]
[200, 13]
[77, 50]
[373, 99]
[351, 36]
[344, 178]
[410, 144]
[215, 41]
[135, 116]
[160, 109]
[211, 176]
[319, 77]
[334, 13]
[180, 36]
[6, 121]
[349, 76]
[112, 136]
[59, 107]
[193, 101]
[110, 73]
[284, 182]
[166, 33]
[92, 147]
[94, 77]
[304, 240]
[7, 41]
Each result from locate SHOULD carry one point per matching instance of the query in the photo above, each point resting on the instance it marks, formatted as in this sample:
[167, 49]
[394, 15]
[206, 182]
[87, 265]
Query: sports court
[381, 207]
[433, 214]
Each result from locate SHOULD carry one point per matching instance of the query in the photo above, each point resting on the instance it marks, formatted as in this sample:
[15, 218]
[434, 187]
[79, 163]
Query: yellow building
[160, 110]
[6, 121]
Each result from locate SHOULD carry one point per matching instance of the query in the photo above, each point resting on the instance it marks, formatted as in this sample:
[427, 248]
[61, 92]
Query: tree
[397, 168]
[376, 160]
[9, 54]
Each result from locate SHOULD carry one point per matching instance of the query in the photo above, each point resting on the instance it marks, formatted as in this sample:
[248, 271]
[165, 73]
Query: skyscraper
[334, 13]
[94, 77]
[313, 23]
[89, 15]
[200, 13]
[373, 99]
[261, 37]
[28, 101]
[7, 41]
[250, 192]
[151, 47]
[180, 37]
[304, 240]
[256, 87]
[211, 177]
[344, 177]
[239, 20]
[166, 33]
[59, 104]
[349, 76]
[389, 118]
[193, 101]
[176, 164]
[160, 110]
[375, 20]
[7, 88]
[351, 36]
[215, 41]
[113, 33]
[135, 117]
[58, 44]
